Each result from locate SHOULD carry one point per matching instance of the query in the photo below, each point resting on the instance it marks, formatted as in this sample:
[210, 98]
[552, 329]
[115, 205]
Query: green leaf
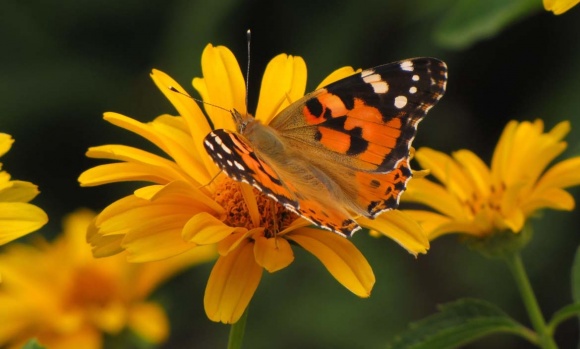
[458, 323]
[562, 315]
[470, 21]
[32, 344]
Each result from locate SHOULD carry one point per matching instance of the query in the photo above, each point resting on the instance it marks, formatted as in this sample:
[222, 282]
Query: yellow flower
[17, 216]
[474, 199]
[192, 204]
[559, 6]
[58, 293]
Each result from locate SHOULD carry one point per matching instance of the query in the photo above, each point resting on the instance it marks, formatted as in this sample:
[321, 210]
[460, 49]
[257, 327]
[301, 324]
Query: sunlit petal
[149, 321]
[284, 82]
[401, 228]
[231, 285]
[336, 75]
[222, 85]
[559, 6]
[18, 219]
[273, 254]
[5, 143]
[340, 257]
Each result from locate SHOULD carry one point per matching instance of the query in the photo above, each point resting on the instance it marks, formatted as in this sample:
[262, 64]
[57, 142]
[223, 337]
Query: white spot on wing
[226, 149]
[380, 87]
[217, 140]
[369, 79]
[413, 89]
[230, 163]
[415, 77]
[209, 145]
[219, 155]
[407, 66]
[239, 166]
[400, 101]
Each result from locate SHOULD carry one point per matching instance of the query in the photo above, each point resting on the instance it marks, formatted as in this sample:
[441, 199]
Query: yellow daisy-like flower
[192, 204]
[559, 6]
[58, 293]
[474, 199]
[17, 216]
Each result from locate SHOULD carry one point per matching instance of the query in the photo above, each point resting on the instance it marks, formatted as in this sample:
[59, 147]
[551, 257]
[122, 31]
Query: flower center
[479, 202]
[273, 216]
[91, 286]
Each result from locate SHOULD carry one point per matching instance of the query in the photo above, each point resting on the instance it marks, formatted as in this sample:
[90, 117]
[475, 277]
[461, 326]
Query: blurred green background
[65, 63]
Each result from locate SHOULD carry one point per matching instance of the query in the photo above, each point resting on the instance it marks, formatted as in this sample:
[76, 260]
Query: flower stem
[237, 332]
[516, 265]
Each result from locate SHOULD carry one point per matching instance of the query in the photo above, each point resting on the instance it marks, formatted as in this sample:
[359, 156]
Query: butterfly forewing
[371, 116]
[237, 159]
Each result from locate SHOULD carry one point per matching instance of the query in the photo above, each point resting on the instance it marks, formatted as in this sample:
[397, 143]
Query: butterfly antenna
[198, 100]
[211, 180]
[248, 39]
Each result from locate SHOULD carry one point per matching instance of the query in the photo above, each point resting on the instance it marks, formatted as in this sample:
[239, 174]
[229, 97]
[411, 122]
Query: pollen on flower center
[273, 216]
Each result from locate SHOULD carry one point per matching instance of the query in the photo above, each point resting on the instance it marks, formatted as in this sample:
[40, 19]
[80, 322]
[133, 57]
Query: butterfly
[340, 151]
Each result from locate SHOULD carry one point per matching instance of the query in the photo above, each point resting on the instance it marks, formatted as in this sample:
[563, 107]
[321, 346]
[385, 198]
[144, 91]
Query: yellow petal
[401, 228]
[160, 238]
[222, 85]
[151, 274]
[562, 129]
[432, 194]
[478, 171]
[103, 246]
[559, 6]
[251, 202]
[231, 285]
[340, 257]
[5, 143]
[238, 237]
[18, 191]
[284, 82]
[124, 172]
[562, 175]
[189, 161]
[447, 171]
[429, 221]
[273, 254]
[336, 75]
[500, 159]
[110, 317]
[149, 321]
[205, 229]
[554, 198]
[18, 219]
[514, 220]
[186, 107]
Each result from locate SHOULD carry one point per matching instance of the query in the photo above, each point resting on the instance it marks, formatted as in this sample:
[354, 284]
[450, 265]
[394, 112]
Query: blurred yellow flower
[17, 216]
[192, 204]
[58, 293]
[474, 199]
[559, 6]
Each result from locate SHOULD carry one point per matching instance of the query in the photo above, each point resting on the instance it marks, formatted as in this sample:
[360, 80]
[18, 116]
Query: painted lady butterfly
[339, 151]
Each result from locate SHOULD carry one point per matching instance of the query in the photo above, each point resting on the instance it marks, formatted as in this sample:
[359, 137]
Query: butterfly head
[241, 120]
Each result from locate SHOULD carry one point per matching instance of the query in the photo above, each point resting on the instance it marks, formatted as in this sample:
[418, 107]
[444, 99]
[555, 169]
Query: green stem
[516, 265]
[237, 332]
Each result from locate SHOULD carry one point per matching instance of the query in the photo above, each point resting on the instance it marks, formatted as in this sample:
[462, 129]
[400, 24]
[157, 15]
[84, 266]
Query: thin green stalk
[237, 332]
[516, 265]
